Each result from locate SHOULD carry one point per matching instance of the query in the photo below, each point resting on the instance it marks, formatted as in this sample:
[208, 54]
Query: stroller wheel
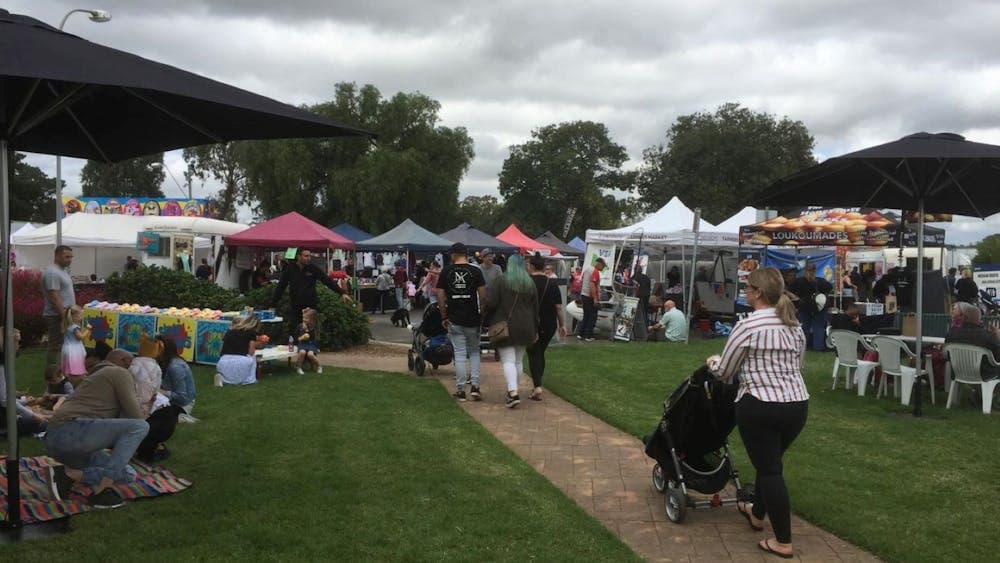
[659, 481]
[419, 366]
[409, 360]
[675, 503]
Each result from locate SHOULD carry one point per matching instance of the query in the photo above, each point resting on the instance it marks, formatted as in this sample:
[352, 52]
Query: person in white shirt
[766, 350]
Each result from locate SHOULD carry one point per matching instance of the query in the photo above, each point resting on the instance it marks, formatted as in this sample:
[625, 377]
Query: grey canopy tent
[550, 239]
[406, 236]
[477, 240]
[350, 232]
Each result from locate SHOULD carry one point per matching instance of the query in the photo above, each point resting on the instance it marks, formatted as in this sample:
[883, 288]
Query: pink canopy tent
[290, 230]
[514, 237]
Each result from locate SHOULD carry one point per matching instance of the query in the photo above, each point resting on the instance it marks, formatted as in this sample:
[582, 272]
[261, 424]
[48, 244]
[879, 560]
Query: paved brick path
[605, 471]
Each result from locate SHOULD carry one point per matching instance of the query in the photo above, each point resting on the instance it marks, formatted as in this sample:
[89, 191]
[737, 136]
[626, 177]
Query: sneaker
[589, 339]
[476, 395]
[579, 337]
[468, 380]
[218, 380]
[108, 498]
[512, 400]
[319, 369]
[299, 371]
[459, 396]
[187, 419]
[58, 483]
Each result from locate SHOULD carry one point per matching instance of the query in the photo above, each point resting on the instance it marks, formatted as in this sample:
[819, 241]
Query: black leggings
[536, 353]
[767, 430]
[162, 424]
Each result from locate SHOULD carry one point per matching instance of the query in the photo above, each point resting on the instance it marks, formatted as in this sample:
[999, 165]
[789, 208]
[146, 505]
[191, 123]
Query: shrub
[160, 287]
[342, 325]
[28, 303]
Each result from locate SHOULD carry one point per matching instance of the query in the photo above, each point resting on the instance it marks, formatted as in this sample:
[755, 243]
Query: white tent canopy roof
[672, 225]
[119, 231]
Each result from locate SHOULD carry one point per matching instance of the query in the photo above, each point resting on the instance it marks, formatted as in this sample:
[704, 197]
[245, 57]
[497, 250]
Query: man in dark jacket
[811, 312]
[973, 332]
[300, 278]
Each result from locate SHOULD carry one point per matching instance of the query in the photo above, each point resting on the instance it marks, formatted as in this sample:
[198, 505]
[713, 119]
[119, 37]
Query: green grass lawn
[349, 465]
[906, 489]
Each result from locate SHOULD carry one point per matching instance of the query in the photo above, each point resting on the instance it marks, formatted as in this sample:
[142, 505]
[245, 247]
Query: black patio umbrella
[923, 172]
[60, 94]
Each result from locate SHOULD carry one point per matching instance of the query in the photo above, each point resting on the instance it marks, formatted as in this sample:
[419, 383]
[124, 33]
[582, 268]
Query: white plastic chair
[890, 350]
[846, 342]
[965, 363]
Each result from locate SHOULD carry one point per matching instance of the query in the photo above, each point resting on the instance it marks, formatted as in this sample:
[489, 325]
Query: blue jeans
[465, 341]
[589, 317]
[80, 444]
[814, 326]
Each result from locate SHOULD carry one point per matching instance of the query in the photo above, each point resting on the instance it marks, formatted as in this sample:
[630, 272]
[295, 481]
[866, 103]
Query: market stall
[408, 238]
[525, 244]
[477, 240]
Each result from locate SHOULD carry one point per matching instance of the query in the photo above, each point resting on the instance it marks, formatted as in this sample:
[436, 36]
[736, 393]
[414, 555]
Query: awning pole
[13, 520]
[694, 264]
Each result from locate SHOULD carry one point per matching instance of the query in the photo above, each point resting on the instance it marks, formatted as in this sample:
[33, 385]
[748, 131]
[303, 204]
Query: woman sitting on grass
[305, 337]
[237, 366]
[178, 381]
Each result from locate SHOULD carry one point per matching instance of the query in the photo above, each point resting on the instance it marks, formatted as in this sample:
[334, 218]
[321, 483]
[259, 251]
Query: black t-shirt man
[460, 282]
[807, 287]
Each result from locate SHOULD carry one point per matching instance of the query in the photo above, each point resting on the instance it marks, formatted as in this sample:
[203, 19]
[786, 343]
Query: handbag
[499, 332]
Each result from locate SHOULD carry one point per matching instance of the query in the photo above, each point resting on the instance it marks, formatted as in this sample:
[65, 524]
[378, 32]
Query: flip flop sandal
[765, 545]
[749, 518]
[534, 397]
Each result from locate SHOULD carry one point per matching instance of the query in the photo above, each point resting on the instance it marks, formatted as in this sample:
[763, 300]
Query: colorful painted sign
[131, 327]
[209, 338]
[140, 206]
[103, 326]
[182, 331]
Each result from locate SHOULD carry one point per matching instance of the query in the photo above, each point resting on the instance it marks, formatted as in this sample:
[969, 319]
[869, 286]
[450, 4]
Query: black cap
[486, 251]
[458, 248]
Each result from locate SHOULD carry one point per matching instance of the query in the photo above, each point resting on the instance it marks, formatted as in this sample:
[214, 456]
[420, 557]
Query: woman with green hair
[514, 300]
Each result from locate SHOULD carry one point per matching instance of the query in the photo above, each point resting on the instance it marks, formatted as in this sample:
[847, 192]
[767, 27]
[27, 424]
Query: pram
[430, 343]
[690, 446]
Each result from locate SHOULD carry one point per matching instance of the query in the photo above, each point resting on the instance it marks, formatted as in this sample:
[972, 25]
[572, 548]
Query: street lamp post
[97, 16]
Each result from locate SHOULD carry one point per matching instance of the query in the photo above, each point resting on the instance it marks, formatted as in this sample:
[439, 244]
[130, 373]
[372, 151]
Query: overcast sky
[856, 73]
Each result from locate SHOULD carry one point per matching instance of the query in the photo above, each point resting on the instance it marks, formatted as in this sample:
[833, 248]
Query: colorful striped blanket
[37, 505]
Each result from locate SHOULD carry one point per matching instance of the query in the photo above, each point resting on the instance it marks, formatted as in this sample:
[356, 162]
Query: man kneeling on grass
[102, 413]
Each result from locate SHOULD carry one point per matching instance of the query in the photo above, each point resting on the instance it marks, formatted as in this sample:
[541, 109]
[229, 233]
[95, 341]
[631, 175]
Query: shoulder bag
[499, 332]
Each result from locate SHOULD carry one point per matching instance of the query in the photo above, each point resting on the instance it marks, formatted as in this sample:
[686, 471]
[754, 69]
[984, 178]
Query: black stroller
[690, 446]
[430, 343]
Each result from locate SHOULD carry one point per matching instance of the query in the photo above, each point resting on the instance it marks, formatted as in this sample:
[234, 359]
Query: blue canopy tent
[350, 232]
[578, 244]
[406, 236]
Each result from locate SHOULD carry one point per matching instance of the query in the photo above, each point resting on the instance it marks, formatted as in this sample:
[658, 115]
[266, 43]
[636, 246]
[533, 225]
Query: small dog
[401, 318]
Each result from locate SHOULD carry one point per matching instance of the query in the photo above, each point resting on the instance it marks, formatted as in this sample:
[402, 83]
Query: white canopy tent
[102, 242]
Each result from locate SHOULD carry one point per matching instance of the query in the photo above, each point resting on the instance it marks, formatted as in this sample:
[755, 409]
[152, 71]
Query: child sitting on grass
[305, 336]
[57, 382]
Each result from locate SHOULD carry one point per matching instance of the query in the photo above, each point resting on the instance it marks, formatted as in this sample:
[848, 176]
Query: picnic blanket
[36, 502]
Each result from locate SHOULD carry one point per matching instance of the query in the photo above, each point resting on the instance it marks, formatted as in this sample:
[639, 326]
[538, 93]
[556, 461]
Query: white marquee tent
[671, 226]
[102, 242]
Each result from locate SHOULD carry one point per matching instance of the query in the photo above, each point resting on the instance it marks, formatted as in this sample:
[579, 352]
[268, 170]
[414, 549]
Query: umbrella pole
[917, 399]
[694, 265]
[13, 521]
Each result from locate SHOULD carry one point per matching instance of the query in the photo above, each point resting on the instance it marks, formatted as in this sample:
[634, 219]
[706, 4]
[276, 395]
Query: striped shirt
[768, 355]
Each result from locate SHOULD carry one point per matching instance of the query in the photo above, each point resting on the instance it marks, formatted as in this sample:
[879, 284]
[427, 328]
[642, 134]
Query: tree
[412, 169]
[222, 162]
[32, 193]
[987, 251]
[484, 212]
[135, 177]
[565, 166]
[720, 161]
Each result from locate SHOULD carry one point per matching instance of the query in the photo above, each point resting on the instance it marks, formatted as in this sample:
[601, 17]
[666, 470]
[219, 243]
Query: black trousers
[162, 424]
[589, 317]
[536, 353]
[768, 429]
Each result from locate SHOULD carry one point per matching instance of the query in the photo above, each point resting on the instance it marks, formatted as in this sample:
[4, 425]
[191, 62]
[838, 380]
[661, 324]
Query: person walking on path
[591, 297]
[812, 305]
[57, 290]
[514, 300]
[766, 351]
[550, 318]
[491, 271]
[399, 279]
[383, 285]
[428, 285]
[300, 278]
[102, 413]
[461, 292]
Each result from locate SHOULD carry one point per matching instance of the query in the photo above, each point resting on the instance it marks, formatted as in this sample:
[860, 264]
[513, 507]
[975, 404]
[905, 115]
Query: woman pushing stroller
[766, 351]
